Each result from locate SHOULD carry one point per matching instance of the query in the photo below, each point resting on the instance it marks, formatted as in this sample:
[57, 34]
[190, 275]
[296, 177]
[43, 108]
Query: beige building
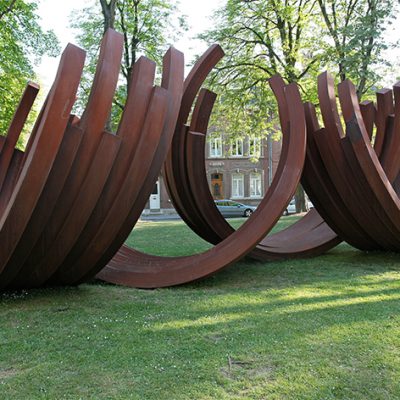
[242, 170]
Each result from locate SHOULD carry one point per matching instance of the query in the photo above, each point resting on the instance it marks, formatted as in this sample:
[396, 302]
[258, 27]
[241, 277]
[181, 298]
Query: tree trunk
[300, 200]
[108, 10]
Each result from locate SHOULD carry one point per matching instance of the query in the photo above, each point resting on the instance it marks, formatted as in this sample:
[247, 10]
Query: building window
[255, 147]
[237, 148]
[237, 186]
[216, 147]
[255, 185]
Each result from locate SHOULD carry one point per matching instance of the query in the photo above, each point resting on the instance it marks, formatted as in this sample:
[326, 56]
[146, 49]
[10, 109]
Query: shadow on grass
[304, 329]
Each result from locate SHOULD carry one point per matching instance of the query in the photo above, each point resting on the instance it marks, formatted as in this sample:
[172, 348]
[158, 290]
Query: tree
[261, 38]
[297, 39]
[22, 42]
[149, 27]
[356, 28]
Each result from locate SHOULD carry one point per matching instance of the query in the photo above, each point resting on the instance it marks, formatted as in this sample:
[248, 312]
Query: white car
[291, 208]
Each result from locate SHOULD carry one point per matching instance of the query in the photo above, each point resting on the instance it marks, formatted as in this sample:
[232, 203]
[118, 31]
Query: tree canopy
[22, 44]
[356, 29]
[297, 39]
[149, 27]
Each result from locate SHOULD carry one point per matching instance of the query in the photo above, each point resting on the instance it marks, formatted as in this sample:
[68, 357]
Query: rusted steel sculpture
[70, 200]
[81, 171]
[27, 180]
[133, 268]
[188, 187]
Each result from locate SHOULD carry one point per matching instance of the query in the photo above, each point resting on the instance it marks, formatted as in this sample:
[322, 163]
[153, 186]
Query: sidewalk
[160, 217]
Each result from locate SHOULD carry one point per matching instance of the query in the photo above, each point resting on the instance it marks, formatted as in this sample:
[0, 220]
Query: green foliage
[149, 28]
[22, 44]
[297, 39]
[260, 38]
[356, 28]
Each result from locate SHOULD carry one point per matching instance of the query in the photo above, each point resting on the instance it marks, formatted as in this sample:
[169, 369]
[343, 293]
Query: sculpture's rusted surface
[189, 187]
[136, 269]
[68, 203]
[30, 176]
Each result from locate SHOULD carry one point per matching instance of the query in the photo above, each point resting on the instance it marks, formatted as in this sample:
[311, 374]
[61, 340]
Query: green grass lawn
[323, 328]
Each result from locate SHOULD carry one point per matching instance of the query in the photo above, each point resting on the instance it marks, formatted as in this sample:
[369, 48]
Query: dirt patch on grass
[238, 369]
[6, 373]
[215, 338]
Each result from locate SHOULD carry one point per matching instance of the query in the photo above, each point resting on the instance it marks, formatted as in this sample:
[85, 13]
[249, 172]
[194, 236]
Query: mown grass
[325, 328]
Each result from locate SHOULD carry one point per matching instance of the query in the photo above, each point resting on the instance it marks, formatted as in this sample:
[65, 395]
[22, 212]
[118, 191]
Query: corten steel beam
[40, 159]
[11, 178]
[11, 158]
[132, 268]
[351, 113]
[306, 237]
[141, 176]
[384, 102]
[386, 202]
[389, 158]
[174, 168]
[68, 203]
[129, 130]
[90, 168]
[176, 175]
[45, 206]
[16, 126]
[363, 227]
[368, 112]
[210, 225]
[2, 141]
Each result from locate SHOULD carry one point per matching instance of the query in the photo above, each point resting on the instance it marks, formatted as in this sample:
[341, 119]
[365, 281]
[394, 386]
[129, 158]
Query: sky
[56, 15]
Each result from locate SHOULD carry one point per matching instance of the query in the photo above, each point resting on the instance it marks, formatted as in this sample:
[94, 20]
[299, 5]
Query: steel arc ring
[70, 200]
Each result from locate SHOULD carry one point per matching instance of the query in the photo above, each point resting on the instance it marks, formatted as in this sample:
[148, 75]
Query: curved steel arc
[387, 232]
[292, 242]
[368, 112]
[89, 170]
[40, 159]
[129, 131]
[68, 202]
[387, 203]
[15, 128]
[359, 231]
[45, 205]
[174, 170]
[389, 157]
[133, 269]
[141, 175]
[384, 101]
